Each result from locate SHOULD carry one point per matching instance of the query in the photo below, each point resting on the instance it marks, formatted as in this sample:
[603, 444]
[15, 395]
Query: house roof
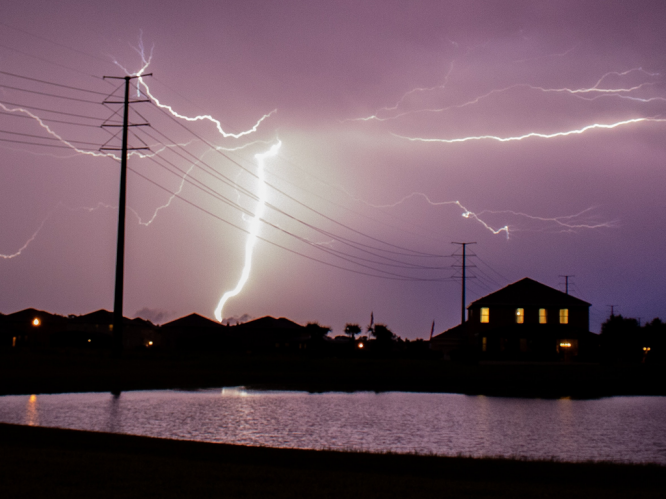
[528, 292]
[28, 314]
[103, 316]
[456, 332]
[192, 321]
[269, 322]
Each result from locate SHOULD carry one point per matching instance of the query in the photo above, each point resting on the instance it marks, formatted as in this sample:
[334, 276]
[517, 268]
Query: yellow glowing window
[543, 318]
[485, 314]
[520, 315]
[484, 344]
[564, 316]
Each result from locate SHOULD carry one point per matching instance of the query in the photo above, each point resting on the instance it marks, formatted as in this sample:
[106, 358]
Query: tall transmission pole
[464, 277]
[120, 248]
[566, 280]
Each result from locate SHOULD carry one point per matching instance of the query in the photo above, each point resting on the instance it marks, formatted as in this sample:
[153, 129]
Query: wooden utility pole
[120, 247]
[464, 276]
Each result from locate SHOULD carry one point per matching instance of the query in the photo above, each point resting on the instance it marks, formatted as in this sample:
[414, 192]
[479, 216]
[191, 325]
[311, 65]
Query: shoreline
[26, 373]
[39, 461]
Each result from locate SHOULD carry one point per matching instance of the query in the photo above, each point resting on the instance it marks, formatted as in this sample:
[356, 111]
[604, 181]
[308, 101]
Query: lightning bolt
[96, 154]
[534, 134]
[253, 230]
[146, 60]
[32, 238]
[566, 222]
[595, 91]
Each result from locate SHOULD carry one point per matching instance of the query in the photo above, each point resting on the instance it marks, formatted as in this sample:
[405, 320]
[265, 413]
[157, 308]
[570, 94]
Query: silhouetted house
[30, 328]
[96, 330]
[269, 334]
[193, 332]
[525, 320]
[450, 342]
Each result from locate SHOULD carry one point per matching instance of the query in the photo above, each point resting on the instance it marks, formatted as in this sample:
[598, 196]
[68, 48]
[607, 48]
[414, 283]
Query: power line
[418, 253]
[49, 95]
[53, 83]
[49, 138]
[15, 115]
[50, 110]
[217, 217]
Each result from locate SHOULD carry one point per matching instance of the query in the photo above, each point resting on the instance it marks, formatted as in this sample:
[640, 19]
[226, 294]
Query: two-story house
[525, 320]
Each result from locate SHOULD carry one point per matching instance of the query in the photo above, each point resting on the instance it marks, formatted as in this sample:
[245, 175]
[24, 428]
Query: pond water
[623, 429]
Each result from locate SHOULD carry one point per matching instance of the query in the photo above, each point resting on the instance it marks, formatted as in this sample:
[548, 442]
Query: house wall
[504, 316]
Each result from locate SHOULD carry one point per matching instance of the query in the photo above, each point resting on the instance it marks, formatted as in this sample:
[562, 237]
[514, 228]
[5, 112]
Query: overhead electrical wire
[346, 256]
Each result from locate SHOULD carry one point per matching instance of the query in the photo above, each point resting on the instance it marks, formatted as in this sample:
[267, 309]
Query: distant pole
[464, 276]
[612, 307]
[566, 280]
[120, 247]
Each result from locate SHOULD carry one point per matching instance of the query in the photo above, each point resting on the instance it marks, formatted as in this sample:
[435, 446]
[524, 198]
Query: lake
[620, 429]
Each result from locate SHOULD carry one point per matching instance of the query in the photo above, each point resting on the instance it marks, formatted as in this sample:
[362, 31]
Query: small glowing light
[150, 343]
[565, 344]
[36, 321]
[646, 349]
[360, 345]
[89, 340]
[33, 399]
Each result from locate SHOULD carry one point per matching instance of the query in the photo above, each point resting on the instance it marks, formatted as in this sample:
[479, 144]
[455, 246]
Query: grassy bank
[47, 462]
[26, 372]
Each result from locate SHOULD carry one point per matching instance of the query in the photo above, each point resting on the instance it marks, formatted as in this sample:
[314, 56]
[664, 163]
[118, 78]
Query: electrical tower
[120, 249]
[464, 277]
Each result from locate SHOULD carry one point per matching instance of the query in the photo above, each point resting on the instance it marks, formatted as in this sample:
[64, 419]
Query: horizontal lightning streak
[533, 134]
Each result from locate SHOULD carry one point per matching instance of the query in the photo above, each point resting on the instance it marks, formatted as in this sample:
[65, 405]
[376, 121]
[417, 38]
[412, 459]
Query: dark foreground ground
[54, 463]
[28, 372]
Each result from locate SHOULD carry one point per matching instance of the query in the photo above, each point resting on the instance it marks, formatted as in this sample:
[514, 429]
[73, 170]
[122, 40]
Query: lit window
[564, 316]
[484, 344]
[543, 319]
[485, 314]
[36, 321]
[520, 315]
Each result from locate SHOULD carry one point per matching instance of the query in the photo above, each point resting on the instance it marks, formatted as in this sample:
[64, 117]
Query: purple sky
[353, 83]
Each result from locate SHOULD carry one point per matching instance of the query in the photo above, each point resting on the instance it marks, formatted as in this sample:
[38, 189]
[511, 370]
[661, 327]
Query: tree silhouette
[316, 331]
[383, 334]
[352, 330]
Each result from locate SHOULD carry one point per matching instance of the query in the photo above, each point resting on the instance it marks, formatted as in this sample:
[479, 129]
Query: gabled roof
[101, 316]
[29, 314]
[192, 321]
[528, 292]
[269, 322]
[456, 332]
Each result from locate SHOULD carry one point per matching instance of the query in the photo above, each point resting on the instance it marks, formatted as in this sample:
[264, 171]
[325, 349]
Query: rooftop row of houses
[524, 321]
[38, 329]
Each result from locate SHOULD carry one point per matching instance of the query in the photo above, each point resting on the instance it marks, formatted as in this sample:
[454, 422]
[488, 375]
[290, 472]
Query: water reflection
[114, 424]
[620, 428]
[31, 411]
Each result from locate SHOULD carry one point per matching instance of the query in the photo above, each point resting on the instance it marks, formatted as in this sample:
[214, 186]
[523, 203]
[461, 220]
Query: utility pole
[120, 248]
[612, 307]
[464, 276]
[566, 280]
